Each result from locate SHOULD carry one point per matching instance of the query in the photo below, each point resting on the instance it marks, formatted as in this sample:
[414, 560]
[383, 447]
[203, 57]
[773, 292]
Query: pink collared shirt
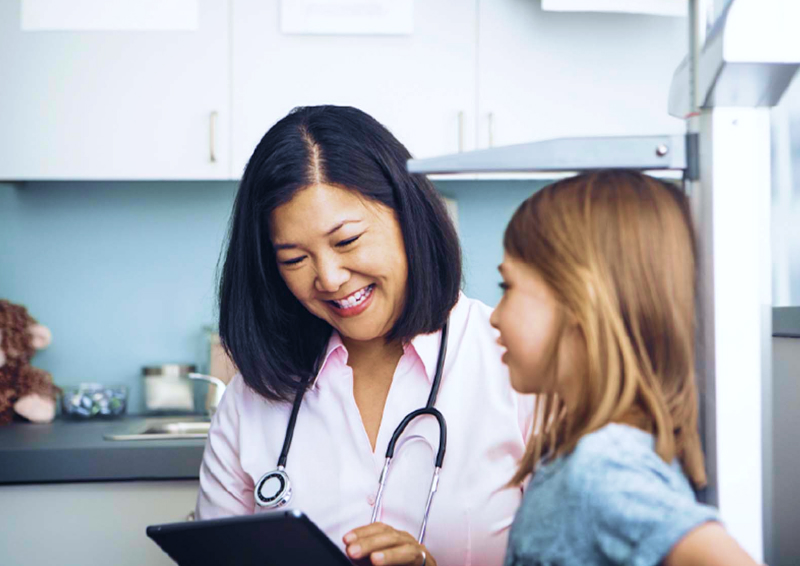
[334, 472]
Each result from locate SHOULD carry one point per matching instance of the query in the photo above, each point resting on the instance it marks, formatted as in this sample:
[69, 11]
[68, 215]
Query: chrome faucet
[216, 388]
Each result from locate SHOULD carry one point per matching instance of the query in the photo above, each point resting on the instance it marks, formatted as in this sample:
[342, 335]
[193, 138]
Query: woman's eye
[293, 261]
[347, 242]
[504, 286]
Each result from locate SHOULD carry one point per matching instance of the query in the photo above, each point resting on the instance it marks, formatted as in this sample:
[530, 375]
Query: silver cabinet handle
[212, 127]
[491, 129]
[461, 131]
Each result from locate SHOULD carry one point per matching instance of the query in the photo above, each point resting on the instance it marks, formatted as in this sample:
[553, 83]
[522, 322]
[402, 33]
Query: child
[597, 319]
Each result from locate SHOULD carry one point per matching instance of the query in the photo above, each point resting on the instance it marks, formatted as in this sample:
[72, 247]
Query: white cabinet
[548, 75]
[193, 104]
[117, 104]
[94, 524]
[416, 85]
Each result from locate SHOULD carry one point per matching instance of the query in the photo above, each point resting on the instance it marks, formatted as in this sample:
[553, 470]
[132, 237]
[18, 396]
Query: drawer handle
[212, 127]
[461, 131]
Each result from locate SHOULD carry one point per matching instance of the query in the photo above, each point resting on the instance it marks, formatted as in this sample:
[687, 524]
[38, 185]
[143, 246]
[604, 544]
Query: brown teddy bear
[24, 389]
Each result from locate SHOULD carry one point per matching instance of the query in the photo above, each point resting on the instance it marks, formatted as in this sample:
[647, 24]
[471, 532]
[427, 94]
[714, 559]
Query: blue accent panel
[484, 209]
[123, 273]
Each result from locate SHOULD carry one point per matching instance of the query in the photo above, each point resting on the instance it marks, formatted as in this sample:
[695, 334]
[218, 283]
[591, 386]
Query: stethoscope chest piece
[274, 489]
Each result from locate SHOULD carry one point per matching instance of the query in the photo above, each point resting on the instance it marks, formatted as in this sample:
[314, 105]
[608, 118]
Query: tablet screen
[277, 538]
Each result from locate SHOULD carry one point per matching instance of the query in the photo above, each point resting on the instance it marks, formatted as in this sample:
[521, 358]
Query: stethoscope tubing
[287, 439]
[285, 494]
[437, 467]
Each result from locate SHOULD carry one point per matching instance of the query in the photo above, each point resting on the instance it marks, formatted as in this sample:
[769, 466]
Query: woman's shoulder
[240, 398]
[472, 315]
[469, 304]
[474, 343]
[236, 387]
[471, 334]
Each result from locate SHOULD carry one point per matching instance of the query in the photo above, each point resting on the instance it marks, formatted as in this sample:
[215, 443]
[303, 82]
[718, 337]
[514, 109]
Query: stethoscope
[274, 489]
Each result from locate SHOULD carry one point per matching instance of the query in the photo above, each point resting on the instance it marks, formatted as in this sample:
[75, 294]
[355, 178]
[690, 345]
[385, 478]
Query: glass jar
[88, 400]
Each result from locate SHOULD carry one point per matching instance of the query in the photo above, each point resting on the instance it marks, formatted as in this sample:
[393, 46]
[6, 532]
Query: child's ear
[572, 320]
[571, 323]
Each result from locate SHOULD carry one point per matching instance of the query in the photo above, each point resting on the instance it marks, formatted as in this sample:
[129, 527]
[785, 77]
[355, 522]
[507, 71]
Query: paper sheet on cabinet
[109, 15]
[657, 7]
[347, 17]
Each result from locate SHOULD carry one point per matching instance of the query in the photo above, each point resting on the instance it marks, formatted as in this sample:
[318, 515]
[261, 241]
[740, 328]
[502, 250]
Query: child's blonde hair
[618, 250]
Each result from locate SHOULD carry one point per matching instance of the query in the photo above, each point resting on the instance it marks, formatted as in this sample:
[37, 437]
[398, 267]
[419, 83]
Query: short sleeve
[225, 488]
[639, 508]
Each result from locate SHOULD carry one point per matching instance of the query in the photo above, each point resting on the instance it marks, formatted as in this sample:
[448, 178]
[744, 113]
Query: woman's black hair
[271, 337]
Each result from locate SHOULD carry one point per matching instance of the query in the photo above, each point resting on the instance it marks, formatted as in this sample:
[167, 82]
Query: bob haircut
[273, 340]
[618, 251]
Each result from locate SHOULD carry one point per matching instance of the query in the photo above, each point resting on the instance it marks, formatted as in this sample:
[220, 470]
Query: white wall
[786, 198]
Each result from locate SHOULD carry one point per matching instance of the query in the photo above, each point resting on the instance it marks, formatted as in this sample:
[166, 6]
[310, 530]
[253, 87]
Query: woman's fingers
[384, 546]
[406, 554]
[366, 544]
[366, 530]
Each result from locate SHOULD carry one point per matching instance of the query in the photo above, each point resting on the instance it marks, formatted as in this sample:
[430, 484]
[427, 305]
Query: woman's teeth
[355, 299]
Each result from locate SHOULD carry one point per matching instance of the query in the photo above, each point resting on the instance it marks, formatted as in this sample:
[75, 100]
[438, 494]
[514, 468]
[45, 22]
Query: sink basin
[163, 430]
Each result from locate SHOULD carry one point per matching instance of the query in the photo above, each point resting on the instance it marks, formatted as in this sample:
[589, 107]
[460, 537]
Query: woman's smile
[353, 304]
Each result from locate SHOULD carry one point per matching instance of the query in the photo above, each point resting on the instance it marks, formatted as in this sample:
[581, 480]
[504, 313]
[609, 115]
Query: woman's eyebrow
[330, 232]
[340, 225]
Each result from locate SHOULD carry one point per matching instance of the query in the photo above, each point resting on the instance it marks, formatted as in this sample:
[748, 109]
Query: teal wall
[484, 209]
[123, 273]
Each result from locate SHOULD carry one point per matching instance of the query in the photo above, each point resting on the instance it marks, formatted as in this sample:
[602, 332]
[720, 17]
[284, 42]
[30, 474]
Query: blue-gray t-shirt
[612, 500]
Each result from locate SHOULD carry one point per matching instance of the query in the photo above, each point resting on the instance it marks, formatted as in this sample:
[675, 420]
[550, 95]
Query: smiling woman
[285, 200]
[341, 274]
[356, 266]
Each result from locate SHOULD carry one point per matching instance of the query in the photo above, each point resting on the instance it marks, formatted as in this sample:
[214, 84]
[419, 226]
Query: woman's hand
[380, 544]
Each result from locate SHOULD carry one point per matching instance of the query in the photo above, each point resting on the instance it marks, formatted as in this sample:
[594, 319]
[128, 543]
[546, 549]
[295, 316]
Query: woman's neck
[372, 353]
[373, 365]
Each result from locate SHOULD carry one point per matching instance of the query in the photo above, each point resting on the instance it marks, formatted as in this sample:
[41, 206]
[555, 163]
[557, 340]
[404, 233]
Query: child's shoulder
[628, 505]
[613, 442]
[615, 476]
[618, 455]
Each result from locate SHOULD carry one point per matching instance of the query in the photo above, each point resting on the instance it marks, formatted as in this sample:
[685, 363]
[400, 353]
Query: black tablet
[277, 538]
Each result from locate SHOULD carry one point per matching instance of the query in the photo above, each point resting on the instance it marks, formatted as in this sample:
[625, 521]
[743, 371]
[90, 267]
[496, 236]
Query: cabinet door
[546, 75]
[416, 85]
[124, 104]
[90, 523]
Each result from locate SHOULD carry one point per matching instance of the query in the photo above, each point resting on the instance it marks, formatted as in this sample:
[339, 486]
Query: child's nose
[493, 319]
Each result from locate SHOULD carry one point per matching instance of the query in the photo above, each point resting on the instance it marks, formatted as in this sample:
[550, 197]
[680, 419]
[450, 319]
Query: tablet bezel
[162, 534]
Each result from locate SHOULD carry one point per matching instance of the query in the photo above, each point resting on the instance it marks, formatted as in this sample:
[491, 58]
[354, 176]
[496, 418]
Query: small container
[168, 389]
[89, 400]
